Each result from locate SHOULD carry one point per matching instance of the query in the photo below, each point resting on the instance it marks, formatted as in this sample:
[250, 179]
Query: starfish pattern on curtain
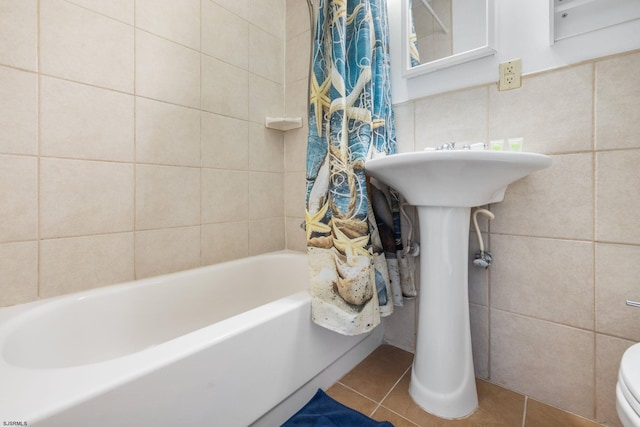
[350, 120]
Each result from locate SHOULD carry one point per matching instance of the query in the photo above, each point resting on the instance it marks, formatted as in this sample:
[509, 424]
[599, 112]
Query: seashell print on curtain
[350, 120]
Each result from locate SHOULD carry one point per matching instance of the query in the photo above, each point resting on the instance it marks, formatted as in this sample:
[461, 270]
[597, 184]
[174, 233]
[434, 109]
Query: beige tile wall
[132, 140]
[295, 141]
[549, 317]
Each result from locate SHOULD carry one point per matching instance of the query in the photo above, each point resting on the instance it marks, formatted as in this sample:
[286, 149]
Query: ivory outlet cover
[510, 75]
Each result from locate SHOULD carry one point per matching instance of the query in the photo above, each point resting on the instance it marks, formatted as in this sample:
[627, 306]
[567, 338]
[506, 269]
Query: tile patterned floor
[378, 387]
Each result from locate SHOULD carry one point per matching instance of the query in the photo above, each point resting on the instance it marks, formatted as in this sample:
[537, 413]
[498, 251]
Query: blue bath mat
[323, 411]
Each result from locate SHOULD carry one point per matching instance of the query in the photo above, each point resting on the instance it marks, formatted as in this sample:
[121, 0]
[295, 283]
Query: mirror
[441, 33]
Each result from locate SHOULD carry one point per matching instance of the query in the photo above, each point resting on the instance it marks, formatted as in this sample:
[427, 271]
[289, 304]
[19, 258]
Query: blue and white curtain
[350, 120]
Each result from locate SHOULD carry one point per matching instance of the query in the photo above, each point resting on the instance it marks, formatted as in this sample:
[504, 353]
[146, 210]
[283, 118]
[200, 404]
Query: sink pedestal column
[442, 379]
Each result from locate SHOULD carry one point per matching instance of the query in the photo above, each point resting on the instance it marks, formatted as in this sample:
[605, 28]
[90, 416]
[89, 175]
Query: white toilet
[628, 388]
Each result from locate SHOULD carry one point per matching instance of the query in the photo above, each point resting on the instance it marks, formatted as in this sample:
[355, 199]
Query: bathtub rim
[26, 313]
[9, 312]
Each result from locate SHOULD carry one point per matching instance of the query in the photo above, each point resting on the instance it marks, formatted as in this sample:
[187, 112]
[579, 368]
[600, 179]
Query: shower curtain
[350, 120]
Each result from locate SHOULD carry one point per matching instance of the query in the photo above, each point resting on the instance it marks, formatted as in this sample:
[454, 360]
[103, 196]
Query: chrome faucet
[447, 146]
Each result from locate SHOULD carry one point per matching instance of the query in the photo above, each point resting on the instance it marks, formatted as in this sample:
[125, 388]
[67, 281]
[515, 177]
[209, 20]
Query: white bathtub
[226, 345]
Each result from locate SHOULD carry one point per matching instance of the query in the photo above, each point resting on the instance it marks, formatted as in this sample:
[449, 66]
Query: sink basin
[444, 186]
[454, 178]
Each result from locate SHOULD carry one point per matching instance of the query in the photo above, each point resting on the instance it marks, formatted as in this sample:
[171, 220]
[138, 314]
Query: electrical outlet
[510, 75]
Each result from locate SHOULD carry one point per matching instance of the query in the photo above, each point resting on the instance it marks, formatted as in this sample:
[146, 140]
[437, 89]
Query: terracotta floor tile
[375, 375]
[378, 373]
[352, 399]
[497, 407]
[541, 415]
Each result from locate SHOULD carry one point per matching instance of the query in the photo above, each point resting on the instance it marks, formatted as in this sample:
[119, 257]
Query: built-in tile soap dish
[283, 123]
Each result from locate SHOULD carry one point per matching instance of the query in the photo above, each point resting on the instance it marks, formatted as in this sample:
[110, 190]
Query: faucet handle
[447, 146]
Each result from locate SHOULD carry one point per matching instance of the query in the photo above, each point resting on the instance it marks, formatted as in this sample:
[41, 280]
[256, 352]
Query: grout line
[132, 93]
[133, 161]
[541, 319]
[567, 239]
[388, 393]
[163, 37]
[593, 105]
[594, 219]
[74, 3]
[524, 412]
[392, 388]
[135, 149]
[200, 133]
[356, 391]
[38, 144]
[533, 236]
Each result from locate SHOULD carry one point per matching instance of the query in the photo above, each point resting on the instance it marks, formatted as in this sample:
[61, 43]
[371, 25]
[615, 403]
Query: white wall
[522, 32]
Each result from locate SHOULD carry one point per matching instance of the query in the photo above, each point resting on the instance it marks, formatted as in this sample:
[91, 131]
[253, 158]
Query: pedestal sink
[444, 186]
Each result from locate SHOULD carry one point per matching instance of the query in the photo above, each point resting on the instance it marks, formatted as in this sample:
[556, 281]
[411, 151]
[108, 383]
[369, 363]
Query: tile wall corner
[133, 139]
